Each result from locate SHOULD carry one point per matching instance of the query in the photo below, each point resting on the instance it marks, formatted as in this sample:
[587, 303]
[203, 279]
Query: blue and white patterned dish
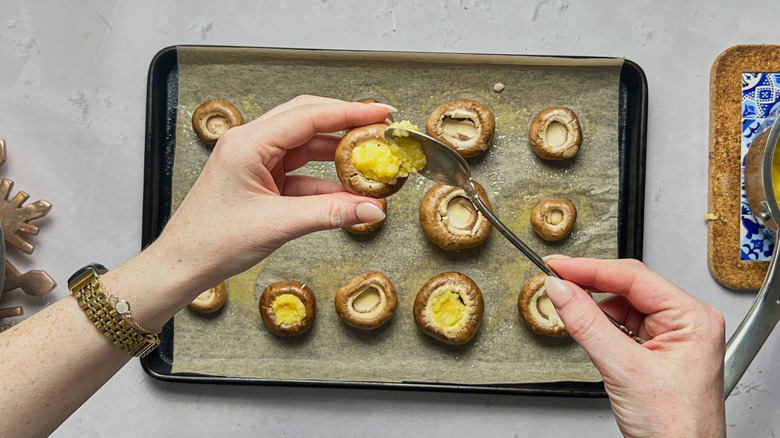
[760, 107]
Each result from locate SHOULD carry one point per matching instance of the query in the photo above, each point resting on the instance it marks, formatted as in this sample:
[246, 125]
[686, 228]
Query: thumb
[586, 323]
[331, 211]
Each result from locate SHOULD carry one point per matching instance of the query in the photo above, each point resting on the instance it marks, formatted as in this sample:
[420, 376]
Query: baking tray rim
[160, 138]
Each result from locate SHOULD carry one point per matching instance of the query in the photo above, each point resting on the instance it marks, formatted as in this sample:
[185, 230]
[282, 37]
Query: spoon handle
[471, 192]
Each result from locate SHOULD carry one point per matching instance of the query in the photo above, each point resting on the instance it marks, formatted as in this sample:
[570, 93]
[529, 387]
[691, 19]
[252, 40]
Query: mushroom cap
[350, 177]
[468, 292]
[211, 300]
[553, 219]
[348, 305]
[530, 303]
[539, 130]
[463, 109]
[212, 118]
[436, 223]
[300, 290]
[369, 227]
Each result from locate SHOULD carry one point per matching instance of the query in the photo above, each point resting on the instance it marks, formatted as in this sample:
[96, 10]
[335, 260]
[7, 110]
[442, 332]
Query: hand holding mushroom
[672, 385]
[245, 192]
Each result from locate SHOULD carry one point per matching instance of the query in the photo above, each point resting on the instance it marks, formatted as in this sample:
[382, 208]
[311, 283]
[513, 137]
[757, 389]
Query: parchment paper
[235, 342]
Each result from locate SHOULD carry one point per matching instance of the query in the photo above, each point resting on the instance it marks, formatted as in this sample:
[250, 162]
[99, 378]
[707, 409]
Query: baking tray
[161, 112]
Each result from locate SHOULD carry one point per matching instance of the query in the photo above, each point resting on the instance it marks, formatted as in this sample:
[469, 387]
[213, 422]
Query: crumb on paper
[711, 216]
[498, 87]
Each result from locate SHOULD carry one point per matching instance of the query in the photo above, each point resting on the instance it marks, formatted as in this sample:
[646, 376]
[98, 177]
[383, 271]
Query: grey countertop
[73, 90]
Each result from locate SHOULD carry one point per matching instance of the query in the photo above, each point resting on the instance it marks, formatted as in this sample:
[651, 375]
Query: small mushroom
[212, 118]
[211, 300]
[464, 125]
[367, 301]
[556, 134]
[369, 227]
[450, 220]
[553, 219]
[288, 308]
[449, 308]
[351, 178]
[537, 310]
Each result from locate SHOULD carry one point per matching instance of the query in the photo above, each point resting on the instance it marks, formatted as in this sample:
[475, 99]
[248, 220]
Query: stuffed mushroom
[367, 165]
[288, 308]
[449, 308]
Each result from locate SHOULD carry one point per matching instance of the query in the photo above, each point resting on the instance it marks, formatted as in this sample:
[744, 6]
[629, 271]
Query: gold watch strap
[85, 287]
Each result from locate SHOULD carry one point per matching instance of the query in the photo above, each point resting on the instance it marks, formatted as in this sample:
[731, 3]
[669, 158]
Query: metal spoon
[445, 166]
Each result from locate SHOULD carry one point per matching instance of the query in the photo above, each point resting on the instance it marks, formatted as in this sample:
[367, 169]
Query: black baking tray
[161, 111]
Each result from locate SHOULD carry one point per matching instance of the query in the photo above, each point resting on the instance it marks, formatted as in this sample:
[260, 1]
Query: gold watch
[85, 287]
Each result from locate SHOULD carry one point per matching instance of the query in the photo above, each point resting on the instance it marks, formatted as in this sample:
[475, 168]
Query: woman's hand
[670, 386]
[244, 205]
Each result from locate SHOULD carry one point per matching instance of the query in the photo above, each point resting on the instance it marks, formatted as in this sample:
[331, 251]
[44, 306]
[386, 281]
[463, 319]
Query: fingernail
[555, 256]
[388, 122]
[389, 108]
[369, 213]
[559, 292]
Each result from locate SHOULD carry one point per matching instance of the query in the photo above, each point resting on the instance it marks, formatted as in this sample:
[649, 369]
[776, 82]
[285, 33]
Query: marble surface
[73, 86]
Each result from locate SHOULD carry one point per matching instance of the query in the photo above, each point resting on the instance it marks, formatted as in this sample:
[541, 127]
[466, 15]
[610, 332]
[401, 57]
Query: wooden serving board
[725, 167]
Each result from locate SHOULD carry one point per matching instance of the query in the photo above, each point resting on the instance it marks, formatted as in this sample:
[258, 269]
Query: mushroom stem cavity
[461, 213]
[217, 124]
[556, 134]
[367, 299]
[288, 309]
[462, 127]
[545, 306]
[554, 216]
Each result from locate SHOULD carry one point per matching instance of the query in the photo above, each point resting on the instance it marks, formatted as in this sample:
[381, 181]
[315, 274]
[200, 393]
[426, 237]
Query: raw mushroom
[351, 178]
[288, 308]
[464, 125]
[555, 134]
[450, 220]
[537, 310]
[449, 308]
[212, 118]
[368, 301]
[369, 227]
[553, 219]
[211, 300]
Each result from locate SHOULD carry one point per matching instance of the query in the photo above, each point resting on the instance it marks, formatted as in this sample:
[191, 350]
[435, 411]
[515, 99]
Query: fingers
[296, 102]
[295, 126]
[587, 324]
[647, 291]
[328, 211]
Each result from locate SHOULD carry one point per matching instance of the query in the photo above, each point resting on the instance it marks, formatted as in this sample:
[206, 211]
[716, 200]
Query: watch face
[96, 267]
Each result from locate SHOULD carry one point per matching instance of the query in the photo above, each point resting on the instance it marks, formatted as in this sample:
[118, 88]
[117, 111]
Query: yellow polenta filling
[385, 163]
[288, 309]
[447, 309]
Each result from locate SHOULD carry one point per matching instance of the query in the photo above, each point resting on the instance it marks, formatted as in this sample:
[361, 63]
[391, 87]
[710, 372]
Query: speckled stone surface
[73, 88]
